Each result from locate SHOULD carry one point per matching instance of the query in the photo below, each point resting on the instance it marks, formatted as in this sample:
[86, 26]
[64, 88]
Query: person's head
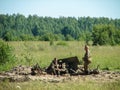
[55, 60]
[86, 47]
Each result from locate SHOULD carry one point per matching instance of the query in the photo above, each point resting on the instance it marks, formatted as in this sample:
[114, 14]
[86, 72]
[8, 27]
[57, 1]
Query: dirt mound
[14, 78]
[19, 70]
[23, 73]
[19, 73]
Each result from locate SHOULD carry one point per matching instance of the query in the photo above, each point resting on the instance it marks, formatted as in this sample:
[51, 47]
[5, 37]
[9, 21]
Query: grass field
[108, 57]
[32, 52]
[77, 85]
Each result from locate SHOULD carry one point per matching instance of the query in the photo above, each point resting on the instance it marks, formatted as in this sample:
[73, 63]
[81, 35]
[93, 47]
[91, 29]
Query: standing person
[86, 59]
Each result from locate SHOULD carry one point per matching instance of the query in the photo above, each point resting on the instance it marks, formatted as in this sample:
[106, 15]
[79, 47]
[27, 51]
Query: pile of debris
[18, 73]
[19, 70]
[37, 70]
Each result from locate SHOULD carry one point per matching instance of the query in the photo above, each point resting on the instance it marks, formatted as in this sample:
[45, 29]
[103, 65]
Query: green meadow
[41, 52]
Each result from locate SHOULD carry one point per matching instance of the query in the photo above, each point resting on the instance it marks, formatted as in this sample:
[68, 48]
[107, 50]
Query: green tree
[103, 35]
[117, 37]
[69, 38]
[18, 27]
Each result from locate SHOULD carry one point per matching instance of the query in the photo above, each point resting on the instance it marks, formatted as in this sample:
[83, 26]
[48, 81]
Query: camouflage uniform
[55, 67]
[86, 59]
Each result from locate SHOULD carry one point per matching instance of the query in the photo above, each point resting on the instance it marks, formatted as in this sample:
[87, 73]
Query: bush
[51, 42]
[5, 53]
[62, 43]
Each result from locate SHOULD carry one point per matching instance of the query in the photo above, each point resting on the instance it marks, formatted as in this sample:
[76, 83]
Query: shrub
[51, 42]
[5, 53]
[62, 43]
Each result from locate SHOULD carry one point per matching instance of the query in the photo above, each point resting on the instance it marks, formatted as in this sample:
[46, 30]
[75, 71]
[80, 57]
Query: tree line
[100, 30]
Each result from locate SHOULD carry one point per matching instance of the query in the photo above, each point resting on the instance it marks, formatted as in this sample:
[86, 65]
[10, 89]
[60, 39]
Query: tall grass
[32, 52]
[106, 56]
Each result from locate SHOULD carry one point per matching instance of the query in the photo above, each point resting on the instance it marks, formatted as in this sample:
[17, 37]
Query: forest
[101, 30]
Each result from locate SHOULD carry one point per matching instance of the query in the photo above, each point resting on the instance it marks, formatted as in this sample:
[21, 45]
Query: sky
[57, 8]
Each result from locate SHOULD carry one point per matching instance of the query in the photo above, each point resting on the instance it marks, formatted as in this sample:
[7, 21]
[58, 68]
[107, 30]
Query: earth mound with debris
[23, 73]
